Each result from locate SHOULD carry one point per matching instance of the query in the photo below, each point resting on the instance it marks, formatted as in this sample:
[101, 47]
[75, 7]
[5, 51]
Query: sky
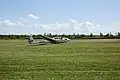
[59, 16]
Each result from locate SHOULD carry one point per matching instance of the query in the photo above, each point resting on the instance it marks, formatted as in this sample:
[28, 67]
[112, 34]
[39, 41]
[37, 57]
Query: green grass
[75, 60]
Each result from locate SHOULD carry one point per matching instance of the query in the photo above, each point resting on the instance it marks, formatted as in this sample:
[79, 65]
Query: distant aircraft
[48, 40]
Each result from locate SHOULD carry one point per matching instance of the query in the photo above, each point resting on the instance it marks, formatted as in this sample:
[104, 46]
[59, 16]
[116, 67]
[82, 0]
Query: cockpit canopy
[60, 38]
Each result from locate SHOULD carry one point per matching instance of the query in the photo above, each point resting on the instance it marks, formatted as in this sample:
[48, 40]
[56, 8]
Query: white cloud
[8, 23]
[28, 26]
[31, 16]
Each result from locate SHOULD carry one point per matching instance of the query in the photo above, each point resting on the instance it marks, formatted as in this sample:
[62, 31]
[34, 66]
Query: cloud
[8, 23]
[31, 16]
[31, 24]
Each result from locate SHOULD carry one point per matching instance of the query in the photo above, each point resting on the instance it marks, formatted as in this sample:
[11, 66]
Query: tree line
[70, 36]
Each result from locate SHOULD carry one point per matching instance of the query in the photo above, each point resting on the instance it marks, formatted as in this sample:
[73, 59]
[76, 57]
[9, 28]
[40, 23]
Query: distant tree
[111, 34]
[69, 36]
[50, 35]
[82, 36]
[118, 33]
[44, 34]
[107, 35]
[101, 35]
[91, 35]
[74, 34]
[55, 35]
[77, 36]
[63, 35]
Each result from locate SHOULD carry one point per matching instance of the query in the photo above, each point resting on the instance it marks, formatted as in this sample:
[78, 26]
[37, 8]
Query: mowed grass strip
[77, 59]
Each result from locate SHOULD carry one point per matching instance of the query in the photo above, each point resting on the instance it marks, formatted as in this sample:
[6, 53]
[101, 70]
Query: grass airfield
[75, 60]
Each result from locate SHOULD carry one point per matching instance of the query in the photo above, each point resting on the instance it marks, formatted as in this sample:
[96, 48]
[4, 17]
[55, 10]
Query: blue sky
[51, 11]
